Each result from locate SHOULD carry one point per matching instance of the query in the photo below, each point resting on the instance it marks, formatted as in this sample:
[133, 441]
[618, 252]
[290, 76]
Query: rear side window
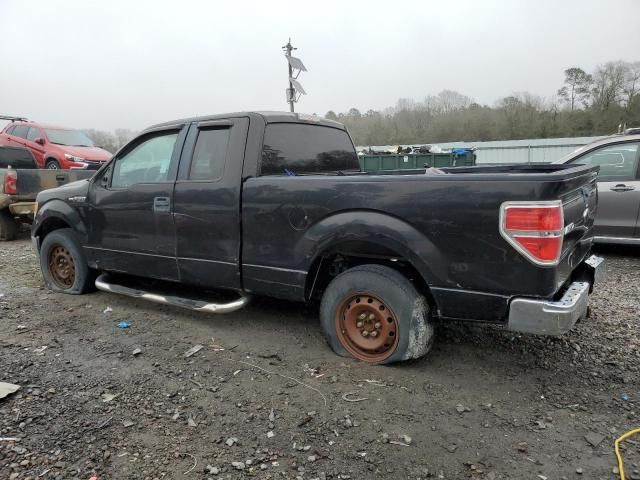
[20, 131]
[292, 149]
[10, 130]
[210, 154]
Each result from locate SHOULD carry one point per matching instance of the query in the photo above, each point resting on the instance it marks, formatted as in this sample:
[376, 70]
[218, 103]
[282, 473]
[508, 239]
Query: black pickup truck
[275, 204]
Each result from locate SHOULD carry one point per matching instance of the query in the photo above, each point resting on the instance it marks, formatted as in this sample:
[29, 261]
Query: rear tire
[63, 264]
[8, 226]
[375, 314]
[52, 165]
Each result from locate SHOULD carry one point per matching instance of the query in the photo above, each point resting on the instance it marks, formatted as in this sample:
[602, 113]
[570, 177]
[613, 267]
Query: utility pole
[293, 63]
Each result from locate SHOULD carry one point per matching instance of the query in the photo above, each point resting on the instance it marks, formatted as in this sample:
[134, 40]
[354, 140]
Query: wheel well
[346, 255]
[54, 159]
[50, 225]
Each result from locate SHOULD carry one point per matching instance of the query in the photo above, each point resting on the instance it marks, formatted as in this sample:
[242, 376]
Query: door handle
[161, 204]
[621, 187]
[60, 178]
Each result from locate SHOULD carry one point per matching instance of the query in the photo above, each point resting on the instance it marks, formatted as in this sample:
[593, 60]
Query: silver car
[617, 220]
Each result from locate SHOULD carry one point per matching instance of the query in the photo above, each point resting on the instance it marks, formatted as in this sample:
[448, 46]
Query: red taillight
[533, 218]
[535, 229]
[11, 182]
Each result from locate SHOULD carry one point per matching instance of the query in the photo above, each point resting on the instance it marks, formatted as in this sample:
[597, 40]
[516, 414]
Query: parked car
[275, 204]
[618, 156]
[55, 148]
[20, 182]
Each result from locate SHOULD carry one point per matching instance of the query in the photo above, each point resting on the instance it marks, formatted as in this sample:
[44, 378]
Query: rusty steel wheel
[367, 328]
[61, 266]
[375, 314]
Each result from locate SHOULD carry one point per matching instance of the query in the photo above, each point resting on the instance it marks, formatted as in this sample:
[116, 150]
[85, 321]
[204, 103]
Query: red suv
[55, 147]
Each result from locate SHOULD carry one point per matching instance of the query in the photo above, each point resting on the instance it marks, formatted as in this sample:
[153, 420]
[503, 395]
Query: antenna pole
[289, 48]
[295, 90]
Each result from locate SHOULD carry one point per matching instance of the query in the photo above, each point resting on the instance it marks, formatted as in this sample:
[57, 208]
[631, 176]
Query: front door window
[146, 162]
[617, 162]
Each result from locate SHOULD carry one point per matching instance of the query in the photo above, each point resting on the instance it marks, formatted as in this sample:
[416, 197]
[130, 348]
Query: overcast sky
[109, 64]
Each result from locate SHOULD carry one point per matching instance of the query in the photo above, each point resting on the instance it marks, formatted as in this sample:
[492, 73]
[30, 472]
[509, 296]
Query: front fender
[378, 228]
[56, 211]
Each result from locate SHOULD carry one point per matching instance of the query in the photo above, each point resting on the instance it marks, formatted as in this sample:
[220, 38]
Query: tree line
[587, 104]
[110, 141]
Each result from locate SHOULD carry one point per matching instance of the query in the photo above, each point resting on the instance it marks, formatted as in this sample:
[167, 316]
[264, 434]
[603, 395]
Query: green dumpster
[410, 161]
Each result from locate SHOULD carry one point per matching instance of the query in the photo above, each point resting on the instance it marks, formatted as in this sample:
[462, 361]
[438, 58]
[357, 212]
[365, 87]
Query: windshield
[74, 138]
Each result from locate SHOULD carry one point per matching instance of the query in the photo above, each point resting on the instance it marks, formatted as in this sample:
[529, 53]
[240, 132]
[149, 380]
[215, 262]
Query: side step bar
[197, 305]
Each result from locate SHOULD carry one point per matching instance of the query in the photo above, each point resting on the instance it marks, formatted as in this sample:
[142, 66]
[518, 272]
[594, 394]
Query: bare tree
[632, 83]
[123, 135]
[331, 115]
[608, 84]
[103, 139]
[405, 104]
[576, 88]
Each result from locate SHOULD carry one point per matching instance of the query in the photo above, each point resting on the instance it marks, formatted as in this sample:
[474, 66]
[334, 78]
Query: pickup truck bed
[274, 204]
[444, 225]
[20, 183]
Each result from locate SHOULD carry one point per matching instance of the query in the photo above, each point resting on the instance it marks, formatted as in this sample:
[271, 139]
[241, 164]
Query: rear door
[207, 203]
[19, 134]
[5, 136]
[131, 226]
[618, 188]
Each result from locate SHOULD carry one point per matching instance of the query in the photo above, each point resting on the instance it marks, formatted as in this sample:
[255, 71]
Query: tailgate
[579, 205]
[31, 182]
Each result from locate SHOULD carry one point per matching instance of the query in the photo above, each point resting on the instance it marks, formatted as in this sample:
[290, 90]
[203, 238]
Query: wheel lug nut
[372, 316]
[359, 324]
[362, 316]
[365, 333]
[374, 334]
[377, 325]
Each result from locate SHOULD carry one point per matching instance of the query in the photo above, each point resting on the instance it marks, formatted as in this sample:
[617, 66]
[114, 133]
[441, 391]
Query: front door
[131, 227]
[618, 188]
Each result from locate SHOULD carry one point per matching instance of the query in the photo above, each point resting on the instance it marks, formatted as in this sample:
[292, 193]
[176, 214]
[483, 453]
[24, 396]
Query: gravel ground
[266, 398]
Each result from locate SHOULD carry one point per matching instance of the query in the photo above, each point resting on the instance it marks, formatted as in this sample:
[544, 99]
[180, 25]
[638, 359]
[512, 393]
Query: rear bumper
[23, 209]
[545, 317]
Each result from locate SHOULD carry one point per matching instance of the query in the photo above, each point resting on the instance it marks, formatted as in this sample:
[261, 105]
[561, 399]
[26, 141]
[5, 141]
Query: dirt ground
[266, 398]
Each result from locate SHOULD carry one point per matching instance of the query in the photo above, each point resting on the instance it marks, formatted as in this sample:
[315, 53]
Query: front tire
[8, 226]
[374, 314]
[63, 264]
[52, 165]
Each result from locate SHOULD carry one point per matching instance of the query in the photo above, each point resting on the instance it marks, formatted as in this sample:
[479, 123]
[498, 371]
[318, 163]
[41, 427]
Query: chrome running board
[197, 305]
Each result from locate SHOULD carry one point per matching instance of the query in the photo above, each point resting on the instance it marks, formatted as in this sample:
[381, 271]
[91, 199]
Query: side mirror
[39, 140]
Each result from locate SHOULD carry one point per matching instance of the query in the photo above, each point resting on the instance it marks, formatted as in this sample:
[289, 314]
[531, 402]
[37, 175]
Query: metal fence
[524, 154]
